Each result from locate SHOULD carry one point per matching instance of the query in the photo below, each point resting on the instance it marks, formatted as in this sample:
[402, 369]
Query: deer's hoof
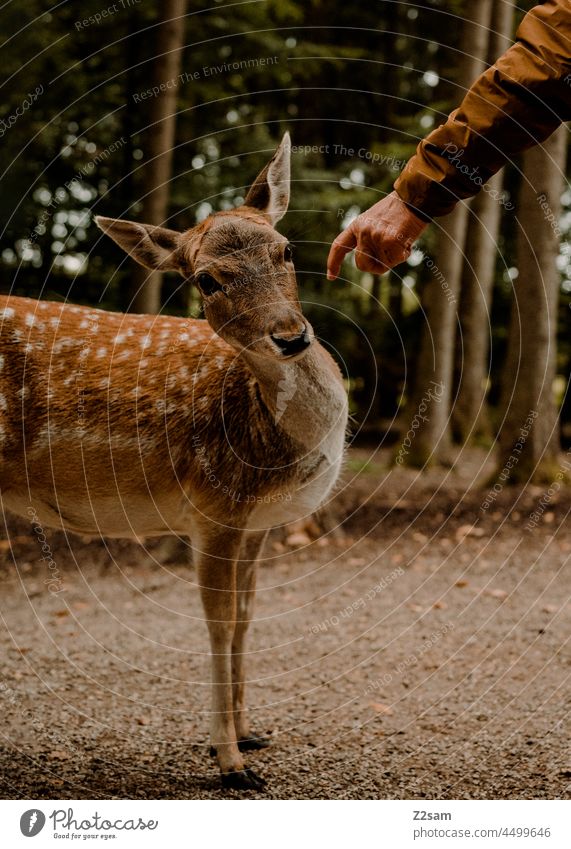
[247, 744]
[244, 779]
[254, 743]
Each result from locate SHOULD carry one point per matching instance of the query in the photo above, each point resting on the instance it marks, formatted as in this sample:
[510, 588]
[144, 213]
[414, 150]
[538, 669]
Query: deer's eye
[288, 253]
[207, 284]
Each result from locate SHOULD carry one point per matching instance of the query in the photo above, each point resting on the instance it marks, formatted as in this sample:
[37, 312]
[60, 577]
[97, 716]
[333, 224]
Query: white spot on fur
[146, 342]
[101, 352]
[120, 338]
[7, 312]
[30, 319]
[1, 361]
[23, 392]
[104, 383]
[3, 402]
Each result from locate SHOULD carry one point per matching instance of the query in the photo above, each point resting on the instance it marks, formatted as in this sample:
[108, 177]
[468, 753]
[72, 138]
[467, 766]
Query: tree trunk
[529, 435]
[159, 142]
[470, 420]
[391, 361]
[433, 384]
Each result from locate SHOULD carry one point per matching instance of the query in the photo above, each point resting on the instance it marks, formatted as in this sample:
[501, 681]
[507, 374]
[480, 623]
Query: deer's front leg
[246, 568]
[217, 579]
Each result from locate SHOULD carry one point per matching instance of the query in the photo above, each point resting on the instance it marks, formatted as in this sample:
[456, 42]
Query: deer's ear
[153, 247]
[270, 191]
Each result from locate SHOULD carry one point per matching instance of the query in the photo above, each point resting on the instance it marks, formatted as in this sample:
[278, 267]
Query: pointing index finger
[344, 243]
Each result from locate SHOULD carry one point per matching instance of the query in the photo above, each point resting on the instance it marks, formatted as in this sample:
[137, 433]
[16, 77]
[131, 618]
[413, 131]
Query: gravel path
[423, 653]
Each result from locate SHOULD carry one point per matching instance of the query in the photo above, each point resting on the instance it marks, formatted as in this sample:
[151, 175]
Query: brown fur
[127, 425]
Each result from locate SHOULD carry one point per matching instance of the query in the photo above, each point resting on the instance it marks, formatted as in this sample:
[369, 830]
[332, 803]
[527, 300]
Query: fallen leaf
[469, 531]
[379, 707]
[440, 605]
[462, 583]
[298, 540]
[501, 594]
[357, 561]
[304, 526]
[143, 720]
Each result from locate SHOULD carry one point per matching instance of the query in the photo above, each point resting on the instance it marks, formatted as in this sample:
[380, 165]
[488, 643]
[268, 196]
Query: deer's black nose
[292, 343]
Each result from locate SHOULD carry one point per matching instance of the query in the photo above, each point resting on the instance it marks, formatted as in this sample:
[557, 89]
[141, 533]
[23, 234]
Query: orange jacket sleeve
[516, 103]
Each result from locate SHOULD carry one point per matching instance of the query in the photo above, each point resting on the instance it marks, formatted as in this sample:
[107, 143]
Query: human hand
[383, 237]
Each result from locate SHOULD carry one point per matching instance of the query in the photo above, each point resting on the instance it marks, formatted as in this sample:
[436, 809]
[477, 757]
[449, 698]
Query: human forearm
[516, 103]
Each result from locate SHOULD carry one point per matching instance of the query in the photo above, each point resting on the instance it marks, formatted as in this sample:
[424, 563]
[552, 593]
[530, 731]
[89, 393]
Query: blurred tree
[470, 419]
[529, 434]
[159, 137]
[435, 364]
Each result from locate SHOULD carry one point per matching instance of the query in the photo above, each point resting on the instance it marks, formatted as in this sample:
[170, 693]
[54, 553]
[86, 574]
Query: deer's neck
[306, 398]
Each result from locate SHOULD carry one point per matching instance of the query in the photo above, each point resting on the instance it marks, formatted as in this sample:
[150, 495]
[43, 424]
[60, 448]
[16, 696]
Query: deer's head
[242, 266]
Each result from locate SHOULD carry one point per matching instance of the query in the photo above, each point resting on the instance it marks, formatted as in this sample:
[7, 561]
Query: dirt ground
[420, 649]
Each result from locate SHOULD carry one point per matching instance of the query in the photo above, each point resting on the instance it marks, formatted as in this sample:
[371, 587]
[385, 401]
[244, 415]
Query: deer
[217, 429]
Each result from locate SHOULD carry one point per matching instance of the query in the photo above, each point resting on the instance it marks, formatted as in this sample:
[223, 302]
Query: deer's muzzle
[290, 344]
